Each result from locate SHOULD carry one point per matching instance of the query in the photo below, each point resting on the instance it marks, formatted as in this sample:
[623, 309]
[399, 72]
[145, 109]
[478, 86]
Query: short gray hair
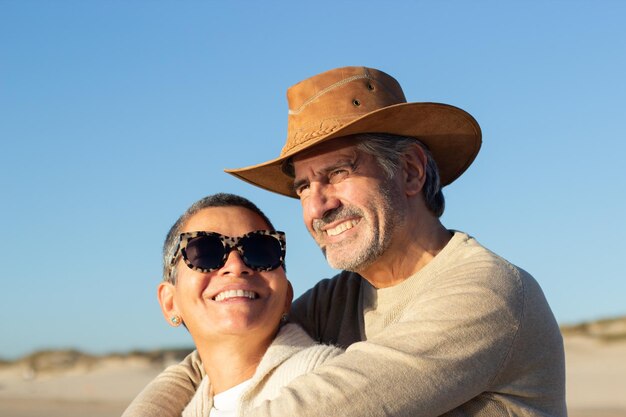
[388, 150]
[216, 200]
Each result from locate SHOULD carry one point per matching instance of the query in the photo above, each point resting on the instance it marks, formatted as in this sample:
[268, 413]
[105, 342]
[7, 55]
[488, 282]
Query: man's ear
[414, 169]
[165, 294]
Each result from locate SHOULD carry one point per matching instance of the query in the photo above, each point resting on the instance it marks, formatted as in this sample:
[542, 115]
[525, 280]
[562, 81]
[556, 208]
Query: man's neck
[407, 255]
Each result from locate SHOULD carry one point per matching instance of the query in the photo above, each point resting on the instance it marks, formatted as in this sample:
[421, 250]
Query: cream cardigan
[291, 354]
[468, 335]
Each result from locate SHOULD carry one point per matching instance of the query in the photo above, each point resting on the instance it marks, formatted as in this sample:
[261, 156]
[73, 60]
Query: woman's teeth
[225, 295]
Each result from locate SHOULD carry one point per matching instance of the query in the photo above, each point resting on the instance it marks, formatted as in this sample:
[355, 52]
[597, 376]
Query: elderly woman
[224, 280]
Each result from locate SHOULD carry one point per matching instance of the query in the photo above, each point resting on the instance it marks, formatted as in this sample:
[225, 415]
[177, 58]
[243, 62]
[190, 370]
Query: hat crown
[355, 100]
[324, 103]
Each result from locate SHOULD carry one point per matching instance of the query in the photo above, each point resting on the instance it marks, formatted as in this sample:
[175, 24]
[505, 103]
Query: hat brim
[451, 134]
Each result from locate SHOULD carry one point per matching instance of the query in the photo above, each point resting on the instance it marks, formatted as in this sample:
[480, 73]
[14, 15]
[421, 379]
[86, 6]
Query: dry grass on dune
[605, 330]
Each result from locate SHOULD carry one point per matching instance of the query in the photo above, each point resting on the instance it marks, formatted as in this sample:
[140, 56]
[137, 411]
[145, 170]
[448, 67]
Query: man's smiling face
[348, 203]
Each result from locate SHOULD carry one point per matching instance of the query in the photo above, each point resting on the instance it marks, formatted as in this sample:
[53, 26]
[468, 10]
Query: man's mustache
[334, 215]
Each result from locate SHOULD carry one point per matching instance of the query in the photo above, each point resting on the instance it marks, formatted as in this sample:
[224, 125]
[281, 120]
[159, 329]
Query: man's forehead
[336, 148]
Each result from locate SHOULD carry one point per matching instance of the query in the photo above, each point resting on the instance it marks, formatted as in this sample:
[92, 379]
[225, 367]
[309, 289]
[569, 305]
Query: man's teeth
[225, 295]
[342, 227]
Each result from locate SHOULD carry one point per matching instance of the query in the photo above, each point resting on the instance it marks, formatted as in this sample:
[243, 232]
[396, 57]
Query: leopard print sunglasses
[260, 250]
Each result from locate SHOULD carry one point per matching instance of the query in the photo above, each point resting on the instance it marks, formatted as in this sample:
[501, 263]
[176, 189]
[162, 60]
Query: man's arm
[168, 394]
[474, 346]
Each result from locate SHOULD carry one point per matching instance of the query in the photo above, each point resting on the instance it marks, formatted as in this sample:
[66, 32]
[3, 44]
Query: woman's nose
[235, 265]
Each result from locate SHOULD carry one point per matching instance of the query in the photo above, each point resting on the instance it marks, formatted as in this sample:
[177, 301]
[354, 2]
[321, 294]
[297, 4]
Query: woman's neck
[231, 361]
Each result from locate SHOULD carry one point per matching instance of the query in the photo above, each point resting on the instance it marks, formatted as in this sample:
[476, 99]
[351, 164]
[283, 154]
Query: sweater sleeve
[169, 393]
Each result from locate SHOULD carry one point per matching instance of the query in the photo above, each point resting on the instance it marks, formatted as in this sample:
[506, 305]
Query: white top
[225, 403]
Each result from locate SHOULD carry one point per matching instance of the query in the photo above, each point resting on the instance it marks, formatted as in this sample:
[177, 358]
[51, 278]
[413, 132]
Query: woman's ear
[288, 297]
[414, 169]
[165, 294]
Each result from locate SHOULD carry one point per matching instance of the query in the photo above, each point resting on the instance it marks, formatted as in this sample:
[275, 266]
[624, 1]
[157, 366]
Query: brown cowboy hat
[351, 100]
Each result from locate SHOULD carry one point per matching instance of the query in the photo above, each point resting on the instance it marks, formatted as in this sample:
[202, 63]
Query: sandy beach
[68, 385]
[596, 377]
[98, 387]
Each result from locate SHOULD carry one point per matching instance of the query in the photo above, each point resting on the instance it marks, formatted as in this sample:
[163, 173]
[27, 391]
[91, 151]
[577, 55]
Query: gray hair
[170, 246]
[388, 150]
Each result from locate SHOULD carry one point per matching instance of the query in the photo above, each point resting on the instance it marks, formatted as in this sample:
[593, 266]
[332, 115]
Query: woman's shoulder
[295, 352]
[292, 354]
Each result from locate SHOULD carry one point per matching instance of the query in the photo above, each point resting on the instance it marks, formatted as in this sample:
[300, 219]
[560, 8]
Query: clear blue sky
[115, 116]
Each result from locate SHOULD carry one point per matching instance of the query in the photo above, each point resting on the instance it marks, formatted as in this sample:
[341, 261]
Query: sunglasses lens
[261, 252]
[205, 252]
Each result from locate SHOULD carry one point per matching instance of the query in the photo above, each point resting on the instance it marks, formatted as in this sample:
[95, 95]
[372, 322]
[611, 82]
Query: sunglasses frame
[229, 244]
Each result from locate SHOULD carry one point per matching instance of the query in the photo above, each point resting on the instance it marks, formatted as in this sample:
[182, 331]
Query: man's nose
[321, 200]
[235, 265]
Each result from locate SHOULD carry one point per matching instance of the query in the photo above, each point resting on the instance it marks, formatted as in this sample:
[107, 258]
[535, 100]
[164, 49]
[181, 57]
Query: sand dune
[69, 383]
[595, 354]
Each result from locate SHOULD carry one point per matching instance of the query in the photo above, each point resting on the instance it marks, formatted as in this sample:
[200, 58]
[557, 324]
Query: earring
[176, 321]
[284, 318]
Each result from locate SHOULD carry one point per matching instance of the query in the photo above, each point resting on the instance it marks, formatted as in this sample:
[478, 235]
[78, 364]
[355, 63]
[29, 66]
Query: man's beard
[360, 252]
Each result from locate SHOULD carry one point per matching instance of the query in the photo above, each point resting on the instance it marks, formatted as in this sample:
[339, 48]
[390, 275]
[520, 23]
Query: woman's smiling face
[234, 299]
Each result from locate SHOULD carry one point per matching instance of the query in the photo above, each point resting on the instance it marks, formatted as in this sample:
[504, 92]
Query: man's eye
[337, 175]
[302, 189]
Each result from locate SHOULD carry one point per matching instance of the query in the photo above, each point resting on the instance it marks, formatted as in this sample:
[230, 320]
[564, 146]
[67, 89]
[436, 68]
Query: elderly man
[433, 322]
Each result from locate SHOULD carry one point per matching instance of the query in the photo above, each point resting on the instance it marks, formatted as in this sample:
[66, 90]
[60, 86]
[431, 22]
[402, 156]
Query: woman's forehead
[228, 220]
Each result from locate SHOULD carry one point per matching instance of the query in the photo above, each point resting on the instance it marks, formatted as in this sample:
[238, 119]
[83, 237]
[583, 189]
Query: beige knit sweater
[468, 335]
